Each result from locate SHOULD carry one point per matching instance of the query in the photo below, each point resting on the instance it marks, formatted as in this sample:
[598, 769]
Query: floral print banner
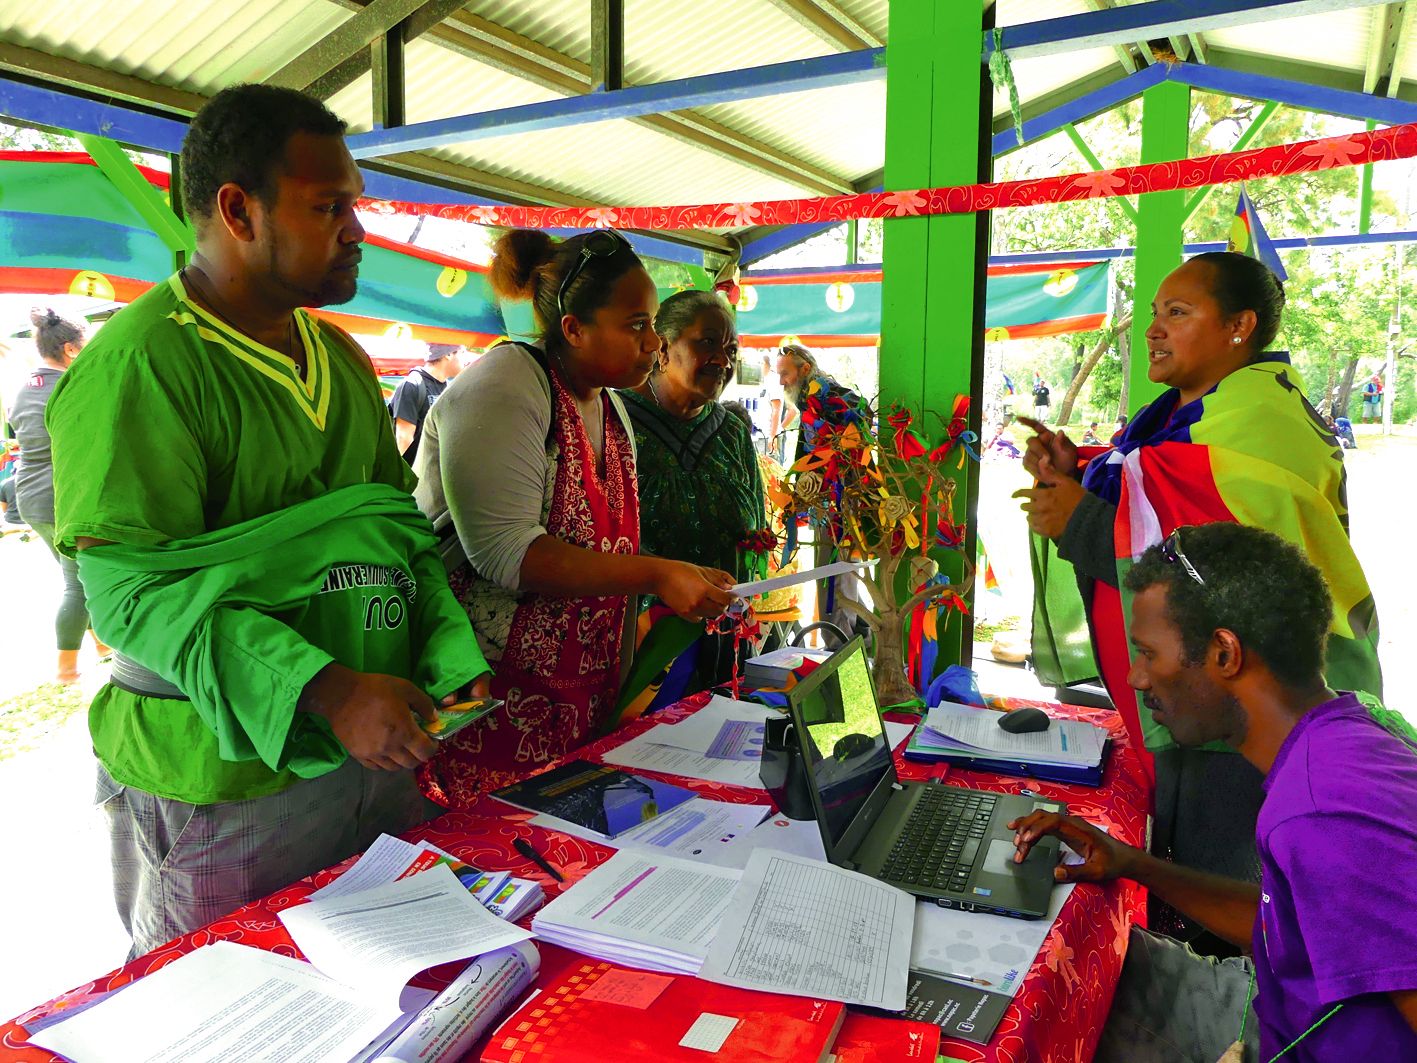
[1354, 149]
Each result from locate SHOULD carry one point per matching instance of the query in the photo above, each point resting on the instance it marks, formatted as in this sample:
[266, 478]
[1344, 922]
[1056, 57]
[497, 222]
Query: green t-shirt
[171, 426]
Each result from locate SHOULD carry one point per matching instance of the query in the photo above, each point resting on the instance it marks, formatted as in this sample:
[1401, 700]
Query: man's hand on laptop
[1103, 857]
[373, 716]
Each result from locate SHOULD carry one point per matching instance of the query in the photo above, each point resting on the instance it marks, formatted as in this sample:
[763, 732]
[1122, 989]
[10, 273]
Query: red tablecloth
[1056, 1016]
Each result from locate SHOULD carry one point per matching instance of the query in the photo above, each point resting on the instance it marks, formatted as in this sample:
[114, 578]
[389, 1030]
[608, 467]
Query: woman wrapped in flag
[1233, 438]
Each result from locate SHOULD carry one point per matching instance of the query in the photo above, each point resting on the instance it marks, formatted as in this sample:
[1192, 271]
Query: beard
[793, 394]
[332, 289]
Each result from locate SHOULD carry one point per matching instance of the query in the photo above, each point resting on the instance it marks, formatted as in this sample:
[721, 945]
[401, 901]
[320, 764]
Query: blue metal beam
[1288, 243]
[49, 107]
[799, 75]
[1151, 20]
[1294, 93]
[1082, 108]
[78, 114]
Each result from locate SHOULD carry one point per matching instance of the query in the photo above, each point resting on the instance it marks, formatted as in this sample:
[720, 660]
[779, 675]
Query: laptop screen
[846, 745]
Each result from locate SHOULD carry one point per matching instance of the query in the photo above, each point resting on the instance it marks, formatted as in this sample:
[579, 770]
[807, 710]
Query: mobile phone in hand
[451, 719]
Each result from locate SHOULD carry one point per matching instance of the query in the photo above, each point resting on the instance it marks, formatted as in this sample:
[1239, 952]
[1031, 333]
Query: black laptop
[944, 843]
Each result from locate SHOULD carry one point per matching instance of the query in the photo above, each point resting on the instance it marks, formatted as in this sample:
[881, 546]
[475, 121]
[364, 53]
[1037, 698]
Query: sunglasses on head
[602, 243]
[1172, 554]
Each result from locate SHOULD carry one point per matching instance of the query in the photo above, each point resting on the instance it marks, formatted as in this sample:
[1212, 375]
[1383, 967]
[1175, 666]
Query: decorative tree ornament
[886, 498]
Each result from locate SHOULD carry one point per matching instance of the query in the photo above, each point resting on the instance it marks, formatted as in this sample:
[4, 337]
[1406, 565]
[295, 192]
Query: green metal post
[1251, 131]
[145, 199]
[932, 298]
[1365, 192]
[1165, 128]
[1089, 157]
[852, 243]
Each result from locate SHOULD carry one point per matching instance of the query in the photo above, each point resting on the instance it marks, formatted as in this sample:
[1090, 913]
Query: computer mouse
[1024, 721]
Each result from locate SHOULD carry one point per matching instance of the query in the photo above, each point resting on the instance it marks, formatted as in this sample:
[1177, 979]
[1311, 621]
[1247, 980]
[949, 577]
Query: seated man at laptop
[1228, 632]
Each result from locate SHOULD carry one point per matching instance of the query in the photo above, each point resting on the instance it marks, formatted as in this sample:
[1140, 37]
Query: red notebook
[878, 1039]
[599, 1012]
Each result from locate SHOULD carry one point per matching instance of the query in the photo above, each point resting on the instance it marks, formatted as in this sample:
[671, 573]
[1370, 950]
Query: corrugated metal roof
[197, 45]
[1340, 39]
[201, 46]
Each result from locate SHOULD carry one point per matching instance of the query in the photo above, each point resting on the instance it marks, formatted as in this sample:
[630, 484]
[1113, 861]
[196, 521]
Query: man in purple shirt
[1228, 628]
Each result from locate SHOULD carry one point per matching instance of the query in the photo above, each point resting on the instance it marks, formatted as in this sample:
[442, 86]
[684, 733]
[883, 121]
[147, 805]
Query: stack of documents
[657, 913]
[775, 668]
[1068, 751]
[390, 859]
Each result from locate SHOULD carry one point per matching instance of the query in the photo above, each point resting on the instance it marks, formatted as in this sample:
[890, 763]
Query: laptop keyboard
[937, 846]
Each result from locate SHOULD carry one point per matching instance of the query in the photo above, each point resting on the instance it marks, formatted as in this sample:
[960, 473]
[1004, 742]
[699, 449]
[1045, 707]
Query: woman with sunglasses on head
[531, 455]
[701, 496]
[1231, 439]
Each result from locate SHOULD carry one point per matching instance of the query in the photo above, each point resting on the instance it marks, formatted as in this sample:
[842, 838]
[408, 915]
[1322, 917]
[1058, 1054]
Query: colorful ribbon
[1307, 156]
[741, 624]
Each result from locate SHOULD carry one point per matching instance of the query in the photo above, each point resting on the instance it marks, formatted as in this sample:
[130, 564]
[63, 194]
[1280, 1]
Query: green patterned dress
[701, 493]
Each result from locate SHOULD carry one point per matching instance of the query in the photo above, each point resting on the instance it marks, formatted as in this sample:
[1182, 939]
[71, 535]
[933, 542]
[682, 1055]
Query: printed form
[815, 930]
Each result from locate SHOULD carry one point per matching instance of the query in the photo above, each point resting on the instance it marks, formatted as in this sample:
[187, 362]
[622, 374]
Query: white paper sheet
[791, 579]
[446, 1029]
[378, 939]
[700, 731]
[811, 929]
[221, 1003]
[383, 862]
[1064, 742]
[702, 830]
[643, 753]
[640, 907]
[980, 949]
[798, 837]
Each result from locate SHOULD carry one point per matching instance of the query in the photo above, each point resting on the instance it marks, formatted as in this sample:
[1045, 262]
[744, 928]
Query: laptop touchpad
[999, 859]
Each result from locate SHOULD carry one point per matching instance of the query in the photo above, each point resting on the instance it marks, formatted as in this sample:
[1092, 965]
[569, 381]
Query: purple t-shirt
[1338, 909]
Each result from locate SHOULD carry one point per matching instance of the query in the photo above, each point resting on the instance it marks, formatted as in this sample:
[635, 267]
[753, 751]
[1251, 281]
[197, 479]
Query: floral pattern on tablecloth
[1056, 1017]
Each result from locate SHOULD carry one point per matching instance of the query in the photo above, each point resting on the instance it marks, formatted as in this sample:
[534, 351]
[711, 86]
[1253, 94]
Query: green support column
[932, 296]
[1365, 192]
[1165, 131]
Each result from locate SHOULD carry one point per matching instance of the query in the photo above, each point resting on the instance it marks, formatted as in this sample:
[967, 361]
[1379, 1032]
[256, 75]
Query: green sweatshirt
[241, 619]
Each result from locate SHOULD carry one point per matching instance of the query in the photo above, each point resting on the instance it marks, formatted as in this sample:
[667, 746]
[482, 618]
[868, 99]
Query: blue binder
[1079, 776]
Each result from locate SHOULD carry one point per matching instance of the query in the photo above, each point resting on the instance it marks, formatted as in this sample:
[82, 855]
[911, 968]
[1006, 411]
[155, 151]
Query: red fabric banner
[1308, 156]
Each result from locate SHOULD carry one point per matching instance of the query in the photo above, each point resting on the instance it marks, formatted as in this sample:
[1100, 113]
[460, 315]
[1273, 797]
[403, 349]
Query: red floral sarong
[560, 671]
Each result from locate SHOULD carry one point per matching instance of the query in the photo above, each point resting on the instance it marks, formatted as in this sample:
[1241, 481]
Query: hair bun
[44, 317]
[518, 257]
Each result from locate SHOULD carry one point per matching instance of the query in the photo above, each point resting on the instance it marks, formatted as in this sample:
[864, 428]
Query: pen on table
[966, 978]
[525, 848]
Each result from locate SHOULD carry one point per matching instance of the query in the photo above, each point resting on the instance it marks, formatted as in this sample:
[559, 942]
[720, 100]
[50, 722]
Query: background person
[821, 400]
[1231, 439]
[225, 470]
[1373, 399]
[59, 342]
[1229, 625]
[418, 391]
[700, 492]
[531, 456]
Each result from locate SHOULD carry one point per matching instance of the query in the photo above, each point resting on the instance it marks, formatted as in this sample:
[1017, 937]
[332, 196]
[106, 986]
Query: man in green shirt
[226, 473]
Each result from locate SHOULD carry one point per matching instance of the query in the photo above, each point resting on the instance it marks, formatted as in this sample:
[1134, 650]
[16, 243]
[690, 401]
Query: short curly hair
[1257, 585]
[240, 137]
